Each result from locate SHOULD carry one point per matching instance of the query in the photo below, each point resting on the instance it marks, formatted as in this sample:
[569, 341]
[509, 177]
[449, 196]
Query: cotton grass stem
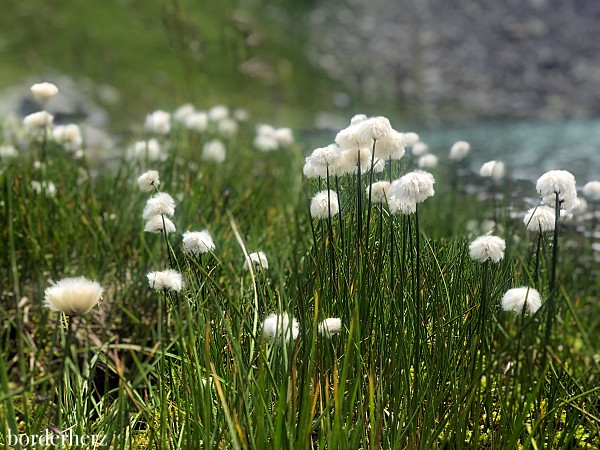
[369, 204]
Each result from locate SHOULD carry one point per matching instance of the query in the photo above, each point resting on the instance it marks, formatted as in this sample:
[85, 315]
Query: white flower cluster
[365, 142]
[217, 120]
[284, 327]
[270, 139]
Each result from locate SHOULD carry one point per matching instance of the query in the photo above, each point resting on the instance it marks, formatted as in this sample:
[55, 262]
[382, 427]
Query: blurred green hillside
[160, 54]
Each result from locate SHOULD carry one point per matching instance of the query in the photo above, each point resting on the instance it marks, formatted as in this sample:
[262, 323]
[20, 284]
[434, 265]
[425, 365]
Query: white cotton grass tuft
[419, 148]
[559, 182]
[373, 129]
[149, 181]
[592, 190]
[8, 152]
[411, 138]
[183, 112]
[227, 127]
[521, 299]
[541, 218]
[567, 202]
[284, 137]
[492, 169]
[160, 203]
[197, 121]
[214, 150]
[428, 161]
[218, 113]
[392, 146]
[37, 120]
[401, 205]
[73, 296]
[323, 204]
[280, 327]
[158, 224]
[379, 191]
[487, 247]
[197, 242]
[459, 150]
[158, 122]
[329, 327]
[48, 188]
[149, 150]
[69, 136]
[44, 91]
[166, 280]
[258, 260]
[415, 187]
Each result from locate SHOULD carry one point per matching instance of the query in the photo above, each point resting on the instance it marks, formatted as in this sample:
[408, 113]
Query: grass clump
[212, 335]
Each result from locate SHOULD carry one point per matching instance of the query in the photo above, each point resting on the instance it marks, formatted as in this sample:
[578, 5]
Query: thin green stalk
[369, 205]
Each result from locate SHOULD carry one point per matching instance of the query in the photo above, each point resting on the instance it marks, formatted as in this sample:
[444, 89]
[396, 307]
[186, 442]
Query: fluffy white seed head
[540, 218]
[391, 146]
[374, 128]
[350, 159]
[323, 203]
[428, 161]
[168, 280]
[568, 201]
[48, 188]
[358, 118]
[214, 151]
[8, 152]
[197, 242]
[37, 120]
[158, 122]
[197, 121]
[411, 138]
[265, 143]
[149, 181]
[281, 327]
[149, 150]
[73, 296]
[330, 327]
[284, 137]
[183, 112]
[258, 260]
[379, 191]
[521, 298]
[44, 91]
[416, 187]
[492, 169]
[155, 225]
[160, 203]
[329, 157]
[592, 190]
[240, 114]
[419, 149]
[559, 182]
[312, 170]
[487, 247]
[218, 112]
[227, 127]
[459, 150]
[401, 205]
[69, 136]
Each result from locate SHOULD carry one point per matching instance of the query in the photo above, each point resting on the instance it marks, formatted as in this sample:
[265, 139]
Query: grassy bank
[426, 357]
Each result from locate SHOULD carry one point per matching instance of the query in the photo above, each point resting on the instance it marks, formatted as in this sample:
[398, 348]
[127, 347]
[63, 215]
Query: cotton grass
[522, 299]
[73, 296]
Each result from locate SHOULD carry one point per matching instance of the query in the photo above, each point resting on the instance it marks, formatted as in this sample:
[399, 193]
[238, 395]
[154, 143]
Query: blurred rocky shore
[464, 60]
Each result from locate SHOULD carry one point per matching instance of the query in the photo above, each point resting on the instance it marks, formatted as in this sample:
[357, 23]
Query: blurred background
[519, 79]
